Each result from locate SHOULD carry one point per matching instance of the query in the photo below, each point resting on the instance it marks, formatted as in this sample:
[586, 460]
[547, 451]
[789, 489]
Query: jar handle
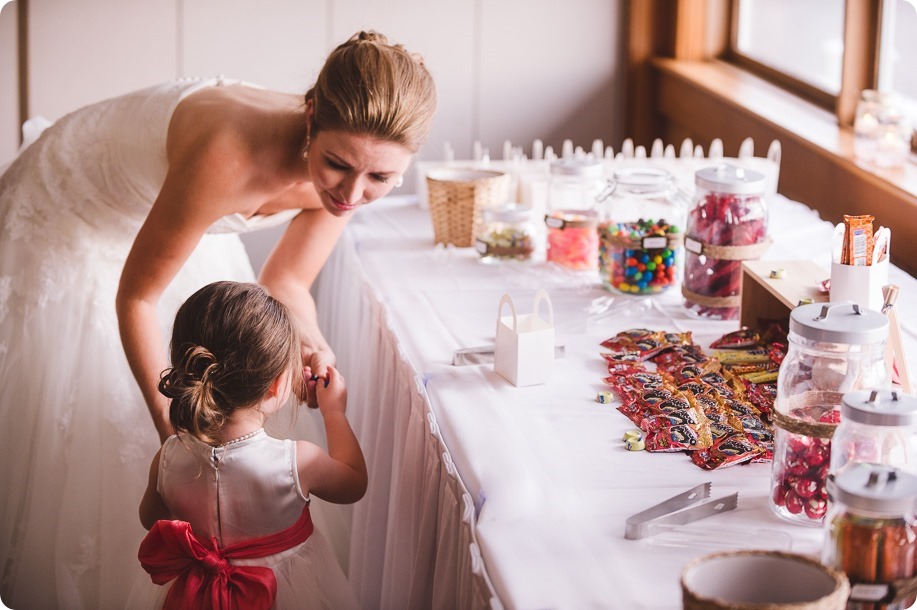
[826, 309]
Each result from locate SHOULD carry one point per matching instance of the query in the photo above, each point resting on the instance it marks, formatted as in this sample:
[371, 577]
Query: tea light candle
[864, 129]
[891, 146]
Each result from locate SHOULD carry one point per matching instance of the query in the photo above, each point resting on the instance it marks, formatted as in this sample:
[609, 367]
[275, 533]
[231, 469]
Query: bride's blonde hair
[369, 86]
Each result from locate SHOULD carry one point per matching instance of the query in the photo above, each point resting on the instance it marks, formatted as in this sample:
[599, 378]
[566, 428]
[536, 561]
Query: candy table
[487, 495]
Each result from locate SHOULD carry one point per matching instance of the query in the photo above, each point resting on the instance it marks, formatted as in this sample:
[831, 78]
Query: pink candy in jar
[573, 238]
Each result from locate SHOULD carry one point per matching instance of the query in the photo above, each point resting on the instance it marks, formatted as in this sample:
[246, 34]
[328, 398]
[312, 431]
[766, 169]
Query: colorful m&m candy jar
[640, 233]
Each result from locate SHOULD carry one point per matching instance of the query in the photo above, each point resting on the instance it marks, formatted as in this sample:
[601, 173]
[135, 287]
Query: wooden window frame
[681, 86]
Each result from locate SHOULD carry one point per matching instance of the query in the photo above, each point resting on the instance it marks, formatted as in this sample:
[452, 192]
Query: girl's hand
[318, 359]
[308, 388]
[331, 392]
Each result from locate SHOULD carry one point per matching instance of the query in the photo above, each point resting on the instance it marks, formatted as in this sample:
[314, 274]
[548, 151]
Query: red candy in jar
[728, 224]
[830, 347]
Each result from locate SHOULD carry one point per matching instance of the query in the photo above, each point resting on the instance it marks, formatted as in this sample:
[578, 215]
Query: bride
[108, 221]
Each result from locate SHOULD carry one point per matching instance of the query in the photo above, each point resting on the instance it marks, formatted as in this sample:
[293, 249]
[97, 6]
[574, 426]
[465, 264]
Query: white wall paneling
[82, 52]
[9, 83]
[279, 44]
[505, 69]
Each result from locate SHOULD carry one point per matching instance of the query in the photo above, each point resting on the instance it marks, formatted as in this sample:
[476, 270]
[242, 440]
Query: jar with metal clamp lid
[726, 225]
[877, 427]
[832, 349]
[872, 535]
[640, 231]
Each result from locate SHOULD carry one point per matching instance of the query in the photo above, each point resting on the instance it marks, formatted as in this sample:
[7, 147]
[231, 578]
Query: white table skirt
[484, 494]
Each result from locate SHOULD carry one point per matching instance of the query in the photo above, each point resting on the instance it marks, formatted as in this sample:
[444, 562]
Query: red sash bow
[204, 577]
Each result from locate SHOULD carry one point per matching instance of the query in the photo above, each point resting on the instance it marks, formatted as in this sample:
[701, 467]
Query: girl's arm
[152, 508]
[205, 181]
[339, 475]
[292, 267]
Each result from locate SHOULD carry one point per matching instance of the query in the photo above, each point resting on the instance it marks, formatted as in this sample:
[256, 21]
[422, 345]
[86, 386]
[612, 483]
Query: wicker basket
[762, 580]
[456, 198]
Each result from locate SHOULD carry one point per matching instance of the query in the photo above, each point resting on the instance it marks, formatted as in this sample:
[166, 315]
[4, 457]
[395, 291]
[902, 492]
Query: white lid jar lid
[879, 408]
[726, 178]
[508, 212]
[578, 167]
[839, 322]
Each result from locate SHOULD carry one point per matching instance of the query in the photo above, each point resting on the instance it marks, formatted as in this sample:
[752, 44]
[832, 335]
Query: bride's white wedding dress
[76, 439]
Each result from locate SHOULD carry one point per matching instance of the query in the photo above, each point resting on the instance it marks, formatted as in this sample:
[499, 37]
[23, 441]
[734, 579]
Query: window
[828, 51]
[898, 47]
[802, 38]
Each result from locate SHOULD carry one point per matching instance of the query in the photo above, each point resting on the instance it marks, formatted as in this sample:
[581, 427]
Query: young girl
[227, 505]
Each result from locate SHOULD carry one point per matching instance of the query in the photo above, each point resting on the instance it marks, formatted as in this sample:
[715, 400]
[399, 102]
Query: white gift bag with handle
[524, 350]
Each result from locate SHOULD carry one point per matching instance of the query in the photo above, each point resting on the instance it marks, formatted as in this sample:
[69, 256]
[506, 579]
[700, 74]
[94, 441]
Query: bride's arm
[202, 185]
[290, 270]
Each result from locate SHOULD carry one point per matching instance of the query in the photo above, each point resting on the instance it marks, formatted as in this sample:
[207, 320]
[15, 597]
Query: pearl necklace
[244, 437]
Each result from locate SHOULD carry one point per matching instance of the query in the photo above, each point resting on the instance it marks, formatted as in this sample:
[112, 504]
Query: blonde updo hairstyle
[370, 87]
[230, 341]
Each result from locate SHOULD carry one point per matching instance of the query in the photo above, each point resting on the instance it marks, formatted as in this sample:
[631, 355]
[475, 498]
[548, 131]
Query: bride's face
[349, 170]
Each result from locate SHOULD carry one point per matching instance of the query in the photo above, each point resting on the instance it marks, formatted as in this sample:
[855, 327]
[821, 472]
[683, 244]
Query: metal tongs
[674, 511]
[485, 355]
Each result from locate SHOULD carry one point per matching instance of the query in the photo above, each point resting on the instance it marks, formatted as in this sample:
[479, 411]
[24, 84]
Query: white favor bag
[524, 350]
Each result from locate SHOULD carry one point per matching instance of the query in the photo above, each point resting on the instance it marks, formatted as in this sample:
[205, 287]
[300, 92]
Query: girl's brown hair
[230, 341]
[368, 86]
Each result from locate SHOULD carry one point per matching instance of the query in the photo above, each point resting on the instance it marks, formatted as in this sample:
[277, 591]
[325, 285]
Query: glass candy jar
[872, 534]
[572, 236]
[640, 232]
[726, 225]
[506, 233]
[877, 427]
[832, 349]
[575, 184]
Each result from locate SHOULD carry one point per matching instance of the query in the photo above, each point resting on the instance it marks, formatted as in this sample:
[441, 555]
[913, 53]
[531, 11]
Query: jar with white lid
[832, 349]
[506, 233]
[575, 184]
[572, 221]
[877, 427]
[726, 225]
[641, 232]
[872, 534]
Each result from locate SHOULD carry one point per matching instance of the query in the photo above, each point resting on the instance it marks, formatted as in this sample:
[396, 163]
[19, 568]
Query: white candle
[891, 148]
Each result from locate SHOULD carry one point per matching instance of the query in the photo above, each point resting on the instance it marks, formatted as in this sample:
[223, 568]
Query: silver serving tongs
[485, 355]
[670, 511]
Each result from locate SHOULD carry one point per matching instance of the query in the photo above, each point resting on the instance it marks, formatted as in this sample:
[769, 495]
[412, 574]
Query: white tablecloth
[484, 493]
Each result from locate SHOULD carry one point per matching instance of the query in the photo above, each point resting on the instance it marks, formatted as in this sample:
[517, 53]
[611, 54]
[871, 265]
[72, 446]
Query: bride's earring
[305, 150]
[399, 182]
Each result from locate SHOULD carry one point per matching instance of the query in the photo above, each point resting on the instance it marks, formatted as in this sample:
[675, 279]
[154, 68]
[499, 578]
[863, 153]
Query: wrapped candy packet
[737, 339]
[728, 451]
[692, 416]
[679, 438]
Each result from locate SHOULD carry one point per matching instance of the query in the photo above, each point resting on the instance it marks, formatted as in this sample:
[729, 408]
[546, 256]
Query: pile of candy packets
[715, 406]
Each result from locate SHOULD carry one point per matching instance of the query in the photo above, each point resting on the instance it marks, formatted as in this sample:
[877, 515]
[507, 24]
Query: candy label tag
[655, 242]
[692, 245]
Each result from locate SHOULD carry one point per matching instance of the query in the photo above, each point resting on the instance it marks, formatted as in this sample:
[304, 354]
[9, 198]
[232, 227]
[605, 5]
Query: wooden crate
[766, 298]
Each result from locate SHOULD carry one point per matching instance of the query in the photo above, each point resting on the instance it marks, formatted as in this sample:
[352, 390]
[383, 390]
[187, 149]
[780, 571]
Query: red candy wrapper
[738, 339]
[729, 451]
[679, 438]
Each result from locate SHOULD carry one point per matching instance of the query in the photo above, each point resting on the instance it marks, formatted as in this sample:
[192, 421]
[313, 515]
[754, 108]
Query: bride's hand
[318, 359]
